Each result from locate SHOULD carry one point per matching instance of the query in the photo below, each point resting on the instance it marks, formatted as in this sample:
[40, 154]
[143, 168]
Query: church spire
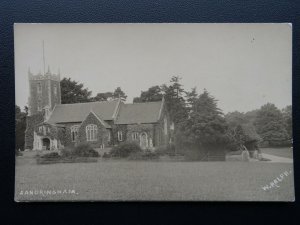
[44, 63]
[48, 71]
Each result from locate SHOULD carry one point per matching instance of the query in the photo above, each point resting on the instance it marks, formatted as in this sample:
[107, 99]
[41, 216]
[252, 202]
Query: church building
[52, 125]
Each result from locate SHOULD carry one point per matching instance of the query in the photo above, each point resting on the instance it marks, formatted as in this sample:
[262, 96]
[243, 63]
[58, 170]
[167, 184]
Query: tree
[103, 96]
[118, 93]
[175, 102]
[206, 125]
[191, 98]
[270, 124]
[153, 94]
[73, 92]
[241, 131]
[235, 133]
[287, 113]
[236, 118]
[20, 119]
[26, 109]
[251, 115]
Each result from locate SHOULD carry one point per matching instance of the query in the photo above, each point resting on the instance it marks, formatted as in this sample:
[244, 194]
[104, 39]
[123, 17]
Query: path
[276, 159]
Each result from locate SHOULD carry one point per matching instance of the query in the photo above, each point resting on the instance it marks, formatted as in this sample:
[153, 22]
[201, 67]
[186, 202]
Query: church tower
[44, 93]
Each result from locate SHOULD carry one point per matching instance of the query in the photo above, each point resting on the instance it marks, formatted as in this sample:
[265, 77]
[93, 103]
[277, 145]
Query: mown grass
[150, 180]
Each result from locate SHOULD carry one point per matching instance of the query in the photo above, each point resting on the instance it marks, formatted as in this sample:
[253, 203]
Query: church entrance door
[144, 140]
[46, 144]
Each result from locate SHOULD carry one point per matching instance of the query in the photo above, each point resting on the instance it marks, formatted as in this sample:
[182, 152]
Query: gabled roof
[106, 125]
[148, 112]
[66, 113]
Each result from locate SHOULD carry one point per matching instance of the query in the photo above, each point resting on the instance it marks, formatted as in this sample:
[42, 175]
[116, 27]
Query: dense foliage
[106, 96]
[174, 96]
[166, 150]
[270, 124]
[51, 155]
[20, 120]
[153, 94]
[125, 149]
[81, 150]
[73, 92]
[103, 96]
[175, 102]
[205, 126]
[194, 121]
[191, 98]
[118, 93]
[287, 114]
[241, 131]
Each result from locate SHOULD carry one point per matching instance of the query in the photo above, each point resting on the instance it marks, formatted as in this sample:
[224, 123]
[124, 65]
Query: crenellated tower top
[45, 91]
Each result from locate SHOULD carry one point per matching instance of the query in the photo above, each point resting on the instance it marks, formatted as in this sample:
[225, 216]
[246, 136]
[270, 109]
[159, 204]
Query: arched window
[74, 132]
[135, 135]
[39, 105]
[55, 89]
[39, 87]
[108, 136]
[120, 135]
[91, 132]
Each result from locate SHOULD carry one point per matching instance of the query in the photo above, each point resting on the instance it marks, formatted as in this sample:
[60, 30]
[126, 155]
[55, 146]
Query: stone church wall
[115, 129]
[102, 134]
[161, 139]
[67, 138]
[140, 128]
[31, 122]
[153, 131]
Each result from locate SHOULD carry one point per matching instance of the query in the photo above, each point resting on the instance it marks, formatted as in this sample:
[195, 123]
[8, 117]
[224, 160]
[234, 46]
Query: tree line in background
[197, 119]
[200, 122]
[74, 92]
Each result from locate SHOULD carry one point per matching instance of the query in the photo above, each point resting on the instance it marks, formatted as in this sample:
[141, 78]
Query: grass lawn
[282, 152]
[149, 180]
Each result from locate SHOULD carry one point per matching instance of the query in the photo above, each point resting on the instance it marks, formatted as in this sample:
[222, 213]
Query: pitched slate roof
[66, 113]
[148, 112]
[106, 125]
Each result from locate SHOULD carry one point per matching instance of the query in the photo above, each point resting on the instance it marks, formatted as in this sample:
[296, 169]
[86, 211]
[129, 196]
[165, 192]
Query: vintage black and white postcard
[153, 112]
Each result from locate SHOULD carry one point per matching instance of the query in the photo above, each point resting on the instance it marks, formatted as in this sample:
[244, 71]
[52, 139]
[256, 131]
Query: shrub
[51, 155]
[166, 150]
[81, 150]
[84, 150]
[66, 152]
[124, 149]
[144, 155]
[106, 155]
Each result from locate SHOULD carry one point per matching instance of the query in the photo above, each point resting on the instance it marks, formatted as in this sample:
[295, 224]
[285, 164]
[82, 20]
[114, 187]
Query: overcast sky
[242, 65]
